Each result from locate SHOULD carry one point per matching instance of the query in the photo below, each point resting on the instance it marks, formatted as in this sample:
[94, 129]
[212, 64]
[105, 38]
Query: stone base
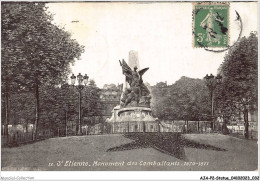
[134, 126]
[135, 114]
[134, 119]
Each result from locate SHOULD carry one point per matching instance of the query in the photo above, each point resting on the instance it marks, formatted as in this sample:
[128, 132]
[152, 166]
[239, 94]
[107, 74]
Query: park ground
[198, 152]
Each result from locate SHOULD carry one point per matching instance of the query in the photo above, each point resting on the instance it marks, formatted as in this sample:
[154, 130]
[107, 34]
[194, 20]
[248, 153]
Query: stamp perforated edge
[193, 21]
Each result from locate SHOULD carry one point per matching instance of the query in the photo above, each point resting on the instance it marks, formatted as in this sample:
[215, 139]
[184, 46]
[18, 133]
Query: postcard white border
[132, 175]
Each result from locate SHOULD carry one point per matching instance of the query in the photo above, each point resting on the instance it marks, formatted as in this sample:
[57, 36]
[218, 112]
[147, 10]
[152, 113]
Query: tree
[186, 99]
[191, 97]
[49, 104]
[21, 108]
[160, 102]
[224, 108]
[239, 72]
[35, 52]
[91, 103]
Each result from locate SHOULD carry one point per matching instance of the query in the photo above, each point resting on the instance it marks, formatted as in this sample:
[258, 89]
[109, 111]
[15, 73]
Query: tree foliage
[57, 105]
[239, 72]
[187, 99]
[22, 108]
[238, 92]
[34, 51]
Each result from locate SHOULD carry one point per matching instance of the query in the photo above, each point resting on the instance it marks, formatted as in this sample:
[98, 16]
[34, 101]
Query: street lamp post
[211, 82]
[81, 79]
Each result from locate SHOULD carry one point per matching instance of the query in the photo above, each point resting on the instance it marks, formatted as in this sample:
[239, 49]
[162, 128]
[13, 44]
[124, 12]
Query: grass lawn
[139, 151]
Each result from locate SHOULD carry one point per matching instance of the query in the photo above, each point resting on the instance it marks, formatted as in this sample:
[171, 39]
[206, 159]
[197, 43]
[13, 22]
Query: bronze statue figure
[138, 94]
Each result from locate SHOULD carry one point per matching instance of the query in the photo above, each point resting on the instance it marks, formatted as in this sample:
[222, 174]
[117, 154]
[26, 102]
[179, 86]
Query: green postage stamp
[211, 24]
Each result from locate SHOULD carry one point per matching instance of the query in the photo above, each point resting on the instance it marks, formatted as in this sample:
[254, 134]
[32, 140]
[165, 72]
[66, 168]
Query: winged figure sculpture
[138, 93]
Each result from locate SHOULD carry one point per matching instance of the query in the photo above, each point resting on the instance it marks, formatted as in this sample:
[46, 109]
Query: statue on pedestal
[138, 94]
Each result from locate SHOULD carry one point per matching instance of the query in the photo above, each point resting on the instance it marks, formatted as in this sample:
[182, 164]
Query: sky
[161, 33]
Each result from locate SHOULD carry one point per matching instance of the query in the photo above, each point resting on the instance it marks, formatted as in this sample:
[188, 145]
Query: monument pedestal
[135, 119]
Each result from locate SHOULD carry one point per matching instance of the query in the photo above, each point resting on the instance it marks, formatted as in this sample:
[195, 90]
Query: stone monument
[134, 113]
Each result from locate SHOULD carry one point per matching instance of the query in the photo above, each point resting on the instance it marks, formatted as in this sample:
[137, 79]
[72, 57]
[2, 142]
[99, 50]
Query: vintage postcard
[129, 86]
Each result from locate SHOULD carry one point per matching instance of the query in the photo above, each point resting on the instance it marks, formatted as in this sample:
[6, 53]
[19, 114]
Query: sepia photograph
[129, 86]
